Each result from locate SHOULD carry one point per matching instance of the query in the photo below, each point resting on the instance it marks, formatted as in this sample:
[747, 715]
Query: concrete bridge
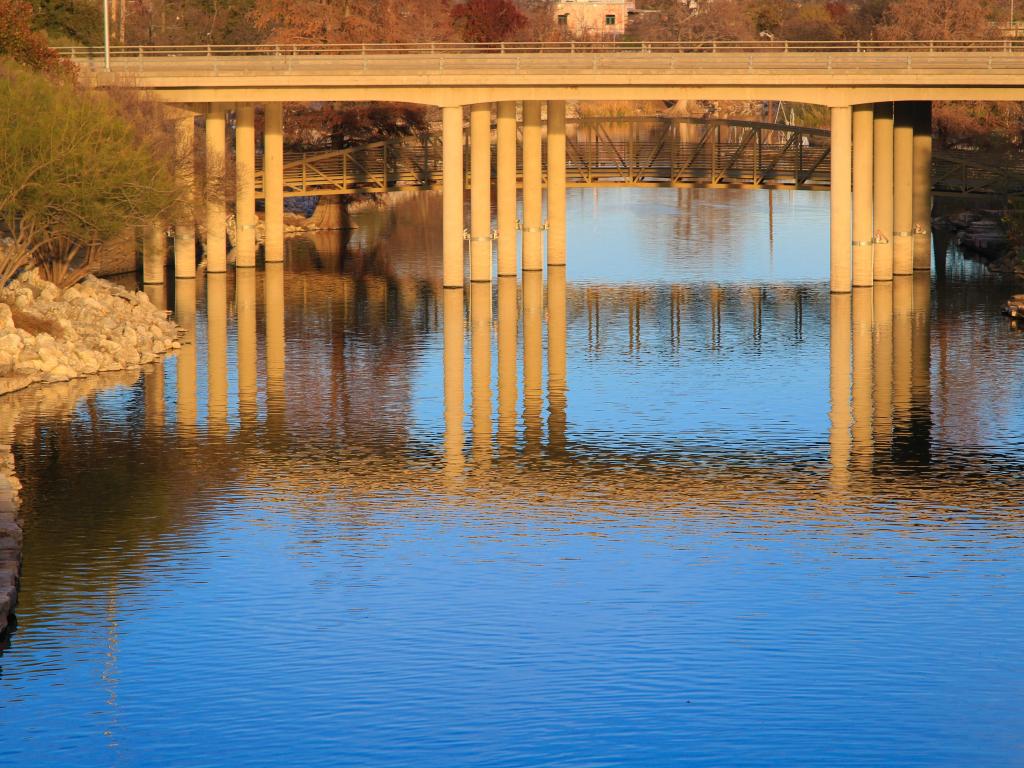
[879, 95]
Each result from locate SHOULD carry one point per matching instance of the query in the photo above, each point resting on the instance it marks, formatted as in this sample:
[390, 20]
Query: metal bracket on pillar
[880, 238]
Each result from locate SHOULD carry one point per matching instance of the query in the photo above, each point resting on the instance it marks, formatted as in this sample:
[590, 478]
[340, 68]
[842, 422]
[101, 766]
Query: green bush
[76, 168]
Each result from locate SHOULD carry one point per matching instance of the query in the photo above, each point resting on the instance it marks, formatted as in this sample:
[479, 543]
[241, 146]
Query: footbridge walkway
[681, 152]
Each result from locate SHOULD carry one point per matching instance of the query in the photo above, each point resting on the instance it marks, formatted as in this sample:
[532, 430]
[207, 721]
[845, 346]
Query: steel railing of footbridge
[768, 55]
[639, 152]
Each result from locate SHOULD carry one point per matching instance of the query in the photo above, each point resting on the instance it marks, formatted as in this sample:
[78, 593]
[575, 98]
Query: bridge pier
[903, 189]
[273, 181]
[556, 183]
[841, 199]
[245, 185]
[216, 224]
[883, 202]
[154, 254]
[922, 185]
[185, 170]
[453, 204]
[533, 226]
[480, 248]
[507, 236]
[863, 194]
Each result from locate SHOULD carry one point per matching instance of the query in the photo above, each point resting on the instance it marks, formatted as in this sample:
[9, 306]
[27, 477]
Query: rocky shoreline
[982, 235]
[48, 336]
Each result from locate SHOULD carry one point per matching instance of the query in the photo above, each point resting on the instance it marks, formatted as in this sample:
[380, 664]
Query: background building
[595, 17]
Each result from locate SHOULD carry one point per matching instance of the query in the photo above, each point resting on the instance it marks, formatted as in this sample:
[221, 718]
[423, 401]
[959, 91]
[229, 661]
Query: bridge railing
[561, 48]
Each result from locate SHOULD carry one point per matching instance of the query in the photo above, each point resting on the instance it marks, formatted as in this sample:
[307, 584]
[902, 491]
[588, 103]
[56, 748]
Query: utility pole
[106, 34]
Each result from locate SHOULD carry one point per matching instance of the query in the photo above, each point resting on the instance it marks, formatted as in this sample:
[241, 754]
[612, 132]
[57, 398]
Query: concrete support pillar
[480, 370]
[923, 185]
[556, 183]
[883, 200]
[508, 372]
[453, 201]
[216, 215]
[154, 254]
[507, 172]
[533, 211]
[863, 194]
[273, 181]
[903, 189]
[840, 371]
[217, 351]
[245, 307]
[245, 186]
[480, 248]
[841, 199]
[185, 171]
[454, 373]
[533, 360]
[557, 383]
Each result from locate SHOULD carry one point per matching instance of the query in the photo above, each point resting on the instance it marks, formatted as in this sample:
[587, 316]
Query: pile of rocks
[10, 536]
[49, 335]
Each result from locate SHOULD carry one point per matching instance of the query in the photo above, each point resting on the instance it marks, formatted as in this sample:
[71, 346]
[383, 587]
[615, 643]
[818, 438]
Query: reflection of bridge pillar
[273, 296]
[883, 199]
[216, 217]
[863, 194]
[923, 185]
[273, 181]
[217, 350]
[863, 377]
[882, 297]
[533, 310]
[153, 383]
[533, 241]
[185, 170]
[245, 186]
[508, 333]
[185, 314]
[480, 248]
[557, 385]
[507, 235]
[902, 351]
[453, 201]
[903, 189]
[454, 368]
[841, 198]
[245, 306]
[556, 183]
[154, 254]
[839, 383]
[480, 368]
[921, 364]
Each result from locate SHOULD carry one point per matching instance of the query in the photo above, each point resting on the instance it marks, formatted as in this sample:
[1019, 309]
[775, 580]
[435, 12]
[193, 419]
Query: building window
[609, 20]
[563, 19]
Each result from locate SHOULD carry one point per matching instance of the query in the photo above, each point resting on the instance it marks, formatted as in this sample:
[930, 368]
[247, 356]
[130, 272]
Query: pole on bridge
[903, 189]
[507, 245]
[556, 183]
[185, 225]
[883, 178]
[533, 233]
[245, 185]
[480, 248]
[216, 223]
[863, 194]
[841, 199]
[923, 185]
[273, 181]
[452, 197]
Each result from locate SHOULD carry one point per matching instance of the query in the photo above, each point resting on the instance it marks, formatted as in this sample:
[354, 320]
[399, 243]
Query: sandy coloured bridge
[879, 94]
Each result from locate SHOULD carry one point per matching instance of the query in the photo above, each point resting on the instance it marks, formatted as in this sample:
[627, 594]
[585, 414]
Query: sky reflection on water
[680, 506]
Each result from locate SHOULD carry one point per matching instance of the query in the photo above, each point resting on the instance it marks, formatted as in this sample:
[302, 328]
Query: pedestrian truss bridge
[681, 152]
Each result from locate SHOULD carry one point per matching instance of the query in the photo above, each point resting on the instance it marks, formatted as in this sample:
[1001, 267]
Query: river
[675, 506]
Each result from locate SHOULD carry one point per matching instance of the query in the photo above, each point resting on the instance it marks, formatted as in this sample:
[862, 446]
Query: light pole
[106, 34]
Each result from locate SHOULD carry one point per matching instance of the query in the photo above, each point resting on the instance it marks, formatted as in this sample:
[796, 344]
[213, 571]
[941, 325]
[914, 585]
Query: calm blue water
[734, 523]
